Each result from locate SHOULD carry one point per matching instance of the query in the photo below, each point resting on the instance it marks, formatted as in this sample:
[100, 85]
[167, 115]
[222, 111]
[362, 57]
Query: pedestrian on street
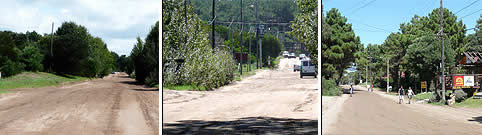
[351, 90]
[372, 87]
[401, 92]
[410, 94]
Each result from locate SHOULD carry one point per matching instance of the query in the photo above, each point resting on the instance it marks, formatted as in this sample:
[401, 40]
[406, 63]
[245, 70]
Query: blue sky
[373, 20]
[117, 22]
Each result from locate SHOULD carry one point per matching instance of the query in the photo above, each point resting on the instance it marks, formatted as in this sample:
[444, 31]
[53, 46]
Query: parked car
[286, 54]
[292, 55]
[301, 56]
[307, 69]
[296, 67]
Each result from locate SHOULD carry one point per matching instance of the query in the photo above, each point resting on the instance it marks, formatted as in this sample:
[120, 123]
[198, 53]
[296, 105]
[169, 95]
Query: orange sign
[458, 80]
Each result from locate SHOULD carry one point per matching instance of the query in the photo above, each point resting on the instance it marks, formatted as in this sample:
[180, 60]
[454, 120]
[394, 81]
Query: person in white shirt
[410, 94]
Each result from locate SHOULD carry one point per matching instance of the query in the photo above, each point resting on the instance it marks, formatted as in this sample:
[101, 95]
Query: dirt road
[270, 102]
[113, 106]
[368, 113]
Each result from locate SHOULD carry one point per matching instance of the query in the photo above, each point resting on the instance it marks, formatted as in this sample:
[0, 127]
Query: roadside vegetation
[143, 62]
[470, 103]
[72, 51]
[329, 88]
[190, 61]
[36, 79]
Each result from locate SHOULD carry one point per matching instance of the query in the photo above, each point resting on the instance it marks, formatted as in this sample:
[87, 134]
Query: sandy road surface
[113, 106]
[371, 114]
[270, 102]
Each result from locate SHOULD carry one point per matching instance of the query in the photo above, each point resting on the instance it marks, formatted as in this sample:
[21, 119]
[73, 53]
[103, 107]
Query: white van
[307, 68]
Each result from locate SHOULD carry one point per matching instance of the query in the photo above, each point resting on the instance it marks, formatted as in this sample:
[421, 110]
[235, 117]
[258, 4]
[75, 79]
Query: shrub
[460, 95]
[187, 56]
[329, 88]
[436, 97]
[205, 69]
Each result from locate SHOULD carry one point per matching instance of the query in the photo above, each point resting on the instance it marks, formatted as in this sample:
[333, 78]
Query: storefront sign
[458, 81]
[468, 80]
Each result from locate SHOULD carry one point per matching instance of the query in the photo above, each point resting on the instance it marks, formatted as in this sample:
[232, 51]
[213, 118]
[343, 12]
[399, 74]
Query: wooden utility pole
[213, 22]
[388, 75]
[241, 43]
[249, 50]
[257, 35]
[442, 36]
[51, 48]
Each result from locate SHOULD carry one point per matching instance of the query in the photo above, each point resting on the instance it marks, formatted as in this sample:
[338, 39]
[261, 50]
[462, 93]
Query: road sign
[423, 84]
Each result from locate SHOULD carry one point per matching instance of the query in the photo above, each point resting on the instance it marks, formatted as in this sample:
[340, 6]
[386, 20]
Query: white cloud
[115, 21]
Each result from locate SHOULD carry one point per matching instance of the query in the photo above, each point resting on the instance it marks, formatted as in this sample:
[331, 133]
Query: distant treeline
[73, 50]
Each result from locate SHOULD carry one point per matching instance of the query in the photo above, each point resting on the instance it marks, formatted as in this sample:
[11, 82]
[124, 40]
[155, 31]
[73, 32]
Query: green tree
[115, 58]
[271, 47]
[9, 55]
[475, 40]
[32, 58]
[395, 47]
[341, 46]
[138, 60]
[151, 56]
[71, 49]
[305, 27]
[423, 57]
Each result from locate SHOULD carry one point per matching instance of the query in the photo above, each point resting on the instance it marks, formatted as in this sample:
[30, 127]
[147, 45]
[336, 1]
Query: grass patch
[423, 96]
[3, 91]
[183, 87]
[246, 73]
[36, 80]
[180, 87]
[470, 103]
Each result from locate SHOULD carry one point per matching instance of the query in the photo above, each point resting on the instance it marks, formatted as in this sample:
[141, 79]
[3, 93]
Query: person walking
[351, 90]
[372, 87]
[410, 94]
[401, 92]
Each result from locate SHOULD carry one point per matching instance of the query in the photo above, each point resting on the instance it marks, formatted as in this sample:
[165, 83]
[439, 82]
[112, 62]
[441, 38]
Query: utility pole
[442, 36]
[214, 22]
[260, 53]
[230, 34]
[241, 43]
[366, 75]
[185, 20]
[388, 74]
[257, 34]
[249, 51]
[51, 44]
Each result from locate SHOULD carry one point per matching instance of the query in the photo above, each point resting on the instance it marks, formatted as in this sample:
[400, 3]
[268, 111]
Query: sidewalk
[331, 106]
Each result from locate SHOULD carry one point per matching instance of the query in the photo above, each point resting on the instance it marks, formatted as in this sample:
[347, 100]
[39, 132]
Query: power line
[471, 13]
[467, 6]
[372, 26]
[363, 6]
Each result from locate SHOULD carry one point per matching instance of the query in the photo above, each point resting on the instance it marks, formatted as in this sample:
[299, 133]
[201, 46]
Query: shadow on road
[147, 89]
[247, 125]
[131, 82]
[476, 119]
